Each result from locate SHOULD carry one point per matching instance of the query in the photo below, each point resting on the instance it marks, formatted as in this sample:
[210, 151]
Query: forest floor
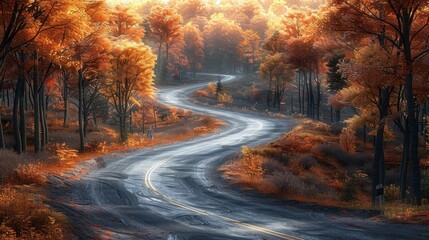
[314, 162]
[23, 212]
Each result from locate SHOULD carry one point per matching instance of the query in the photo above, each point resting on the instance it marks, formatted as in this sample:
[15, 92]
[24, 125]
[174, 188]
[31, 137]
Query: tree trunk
[311, 96]
[131, 122]
[338, 115]
[15, 115]
[304, 92]
[85, 123]
[36, 105]
[319, 96]
[2, 143]
[80, 112]
[155, 118]
[165, 75]
[65, 99]
[404, 164]
[411, 114]
[143, 123]
[22, 127]
[299, 91]
[43, 116]
[378, 169]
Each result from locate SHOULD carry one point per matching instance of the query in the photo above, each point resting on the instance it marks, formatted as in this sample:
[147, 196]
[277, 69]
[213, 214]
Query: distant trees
[194, 48]
[166, 29]
[248, 49]
[335, 80]
[222, 37]
[279, 75]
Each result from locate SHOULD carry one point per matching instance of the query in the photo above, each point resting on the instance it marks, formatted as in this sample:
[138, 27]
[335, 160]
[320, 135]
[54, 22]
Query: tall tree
[130, 75]
[248, 49]
[335, 80]
[194, 47]
[404, 26]
[166, 29]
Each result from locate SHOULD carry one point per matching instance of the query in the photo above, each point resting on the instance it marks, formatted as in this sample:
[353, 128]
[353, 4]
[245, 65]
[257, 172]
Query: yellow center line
[149, 185]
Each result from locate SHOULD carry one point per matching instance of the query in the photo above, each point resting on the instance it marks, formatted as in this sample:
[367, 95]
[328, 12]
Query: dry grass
[303, 165]
[23, 216]
[308, 164]
[400, 212]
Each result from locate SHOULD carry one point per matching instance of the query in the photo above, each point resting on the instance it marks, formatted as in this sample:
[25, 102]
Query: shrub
[270, 152]
[212, 88]
[224, 98]
[62, 151]
[250, 163]
[270, 166]
[349, 192]
[304, 161]
[350, 160]
[9, 161]
[22, 216]
[256, 94]
[391, 192]
[201, 93]
[29, 174]
[285, 182]
[348, 140]
[95, 146]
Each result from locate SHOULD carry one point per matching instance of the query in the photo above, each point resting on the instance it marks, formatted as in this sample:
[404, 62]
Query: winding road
[175, 191]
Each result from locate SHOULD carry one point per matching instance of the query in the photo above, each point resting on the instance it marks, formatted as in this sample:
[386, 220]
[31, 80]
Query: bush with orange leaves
[23, 216]
[299, 141]
[251, 163]
[348, 140]
[201, 93]
[224, 98]
[30, 174]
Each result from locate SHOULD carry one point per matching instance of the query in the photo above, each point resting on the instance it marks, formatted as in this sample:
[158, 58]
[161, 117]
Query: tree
[131, 75]
[194, 47]
[373, 70]
[335, 80]
[42, 54]
[190, 9]
[248, 48]
[166, 29]
[402, 25]
[279, 75]
[222, 37]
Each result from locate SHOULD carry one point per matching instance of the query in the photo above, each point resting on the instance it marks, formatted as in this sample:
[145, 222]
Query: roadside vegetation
[77, 80]
[318, 163]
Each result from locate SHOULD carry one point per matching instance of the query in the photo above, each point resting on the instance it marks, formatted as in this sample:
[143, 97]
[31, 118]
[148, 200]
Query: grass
[308, 164]
[23, 216]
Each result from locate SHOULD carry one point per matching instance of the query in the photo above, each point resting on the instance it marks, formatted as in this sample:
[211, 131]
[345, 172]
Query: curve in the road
[175, 191]
[207, 213]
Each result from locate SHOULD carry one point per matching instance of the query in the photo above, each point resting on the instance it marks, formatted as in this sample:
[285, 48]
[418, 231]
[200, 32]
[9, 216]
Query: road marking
[150, 186]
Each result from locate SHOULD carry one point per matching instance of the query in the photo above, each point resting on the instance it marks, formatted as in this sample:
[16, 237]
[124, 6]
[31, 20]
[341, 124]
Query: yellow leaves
[132, 69]
[251, 163]
[62, 151]
[125, 23]
[165, 24]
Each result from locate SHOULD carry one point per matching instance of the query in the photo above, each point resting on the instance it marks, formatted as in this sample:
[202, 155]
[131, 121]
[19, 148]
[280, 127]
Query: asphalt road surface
[176, 192]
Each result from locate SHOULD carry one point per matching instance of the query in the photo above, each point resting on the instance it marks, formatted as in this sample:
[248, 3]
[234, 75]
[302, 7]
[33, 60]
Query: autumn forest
[324, 102]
